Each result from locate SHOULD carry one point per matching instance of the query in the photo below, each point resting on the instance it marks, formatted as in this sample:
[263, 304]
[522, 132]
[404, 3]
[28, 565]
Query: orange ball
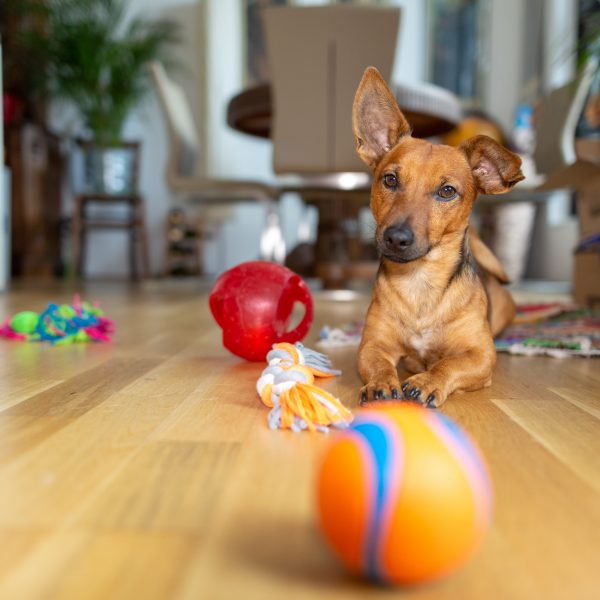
[471, 126]
[403, 495]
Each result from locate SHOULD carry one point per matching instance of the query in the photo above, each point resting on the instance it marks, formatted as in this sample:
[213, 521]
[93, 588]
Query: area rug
[559, 330]
[554, 329]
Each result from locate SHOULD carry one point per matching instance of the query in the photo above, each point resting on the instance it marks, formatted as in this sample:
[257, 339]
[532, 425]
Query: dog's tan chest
[421, 342]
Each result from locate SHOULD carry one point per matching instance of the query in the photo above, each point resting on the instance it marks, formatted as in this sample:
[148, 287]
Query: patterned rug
[559, 330]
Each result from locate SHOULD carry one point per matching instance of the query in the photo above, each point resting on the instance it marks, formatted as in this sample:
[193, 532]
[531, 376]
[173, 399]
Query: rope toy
[60, 324]
[287, 387]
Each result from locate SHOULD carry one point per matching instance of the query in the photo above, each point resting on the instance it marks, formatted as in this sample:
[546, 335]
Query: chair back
[317, 55]
[557, 120]
[183, 135]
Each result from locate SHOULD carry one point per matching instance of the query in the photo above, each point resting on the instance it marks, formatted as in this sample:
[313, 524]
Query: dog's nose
[398, 237]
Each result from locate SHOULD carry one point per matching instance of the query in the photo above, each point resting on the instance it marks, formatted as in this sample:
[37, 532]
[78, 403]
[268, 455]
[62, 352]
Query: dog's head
[421, 191]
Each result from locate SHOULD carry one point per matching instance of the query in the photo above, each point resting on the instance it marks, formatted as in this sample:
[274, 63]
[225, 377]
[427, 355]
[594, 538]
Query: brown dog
[430, 307]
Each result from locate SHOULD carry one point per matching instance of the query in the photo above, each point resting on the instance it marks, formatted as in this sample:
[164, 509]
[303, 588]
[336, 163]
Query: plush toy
[60, 324]
[287, 387]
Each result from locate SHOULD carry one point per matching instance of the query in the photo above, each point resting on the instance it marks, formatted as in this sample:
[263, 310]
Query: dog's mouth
[407, 256]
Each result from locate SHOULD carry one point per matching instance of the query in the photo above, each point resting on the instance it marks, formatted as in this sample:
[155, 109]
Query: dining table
[430, 109]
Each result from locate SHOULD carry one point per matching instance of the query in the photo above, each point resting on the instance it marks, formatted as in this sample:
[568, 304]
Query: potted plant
[88, 53]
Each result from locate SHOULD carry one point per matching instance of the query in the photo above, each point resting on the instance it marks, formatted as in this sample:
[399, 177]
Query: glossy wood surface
[143, 468]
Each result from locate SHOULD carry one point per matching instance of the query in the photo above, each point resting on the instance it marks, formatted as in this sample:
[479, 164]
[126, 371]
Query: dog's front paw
[379, 390]
[423, 389]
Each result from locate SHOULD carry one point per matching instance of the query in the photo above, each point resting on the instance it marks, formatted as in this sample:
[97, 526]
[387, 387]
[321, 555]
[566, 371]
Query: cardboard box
[588, 210]
[588, 149]
[586, 280]
[579, 175]
[583, 177]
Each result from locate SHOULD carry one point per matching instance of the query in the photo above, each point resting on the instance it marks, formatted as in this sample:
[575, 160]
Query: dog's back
[501, 306]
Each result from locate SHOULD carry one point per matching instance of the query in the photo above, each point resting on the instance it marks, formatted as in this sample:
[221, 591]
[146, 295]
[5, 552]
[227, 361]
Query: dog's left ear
[495, 169]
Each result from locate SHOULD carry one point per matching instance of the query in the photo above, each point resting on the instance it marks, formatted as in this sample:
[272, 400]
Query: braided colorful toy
[60, 324]
[287, 387]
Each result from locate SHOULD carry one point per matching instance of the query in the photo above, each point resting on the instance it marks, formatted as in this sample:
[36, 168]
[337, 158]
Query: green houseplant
[89, 54]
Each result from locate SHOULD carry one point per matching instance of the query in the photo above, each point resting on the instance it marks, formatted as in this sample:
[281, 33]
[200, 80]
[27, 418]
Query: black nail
[431, 400]
[379, 395]
[404, 386]
[363, 397]
[415, 393]
[394, 394]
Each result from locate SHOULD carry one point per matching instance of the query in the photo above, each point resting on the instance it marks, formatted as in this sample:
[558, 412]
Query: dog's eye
[446, 192]
[390, 180]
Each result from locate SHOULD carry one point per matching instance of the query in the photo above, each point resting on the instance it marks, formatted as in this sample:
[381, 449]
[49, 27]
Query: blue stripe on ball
[382, 439]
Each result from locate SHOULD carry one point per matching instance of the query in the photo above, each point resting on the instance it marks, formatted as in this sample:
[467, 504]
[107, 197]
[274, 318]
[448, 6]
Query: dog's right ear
[376, 119]
[496, 169]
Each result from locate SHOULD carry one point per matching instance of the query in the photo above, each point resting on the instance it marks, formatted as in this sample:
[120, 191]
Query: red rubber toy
[253, 303]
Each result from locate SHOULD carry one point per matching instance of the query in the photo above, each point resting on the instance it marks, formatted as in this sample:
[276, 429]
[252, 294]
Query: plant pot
[110, 169]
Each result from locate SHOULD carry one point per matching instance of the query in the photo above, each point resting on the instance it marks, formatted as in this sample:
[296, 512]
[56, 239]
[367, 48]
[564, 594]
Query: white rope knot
[287, 387]
[298, 354]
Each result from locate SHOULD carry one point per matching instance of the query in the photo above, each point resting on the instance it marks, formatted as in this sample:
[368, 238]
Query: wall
[411, 54]
[560, 41]
[513, 50]
[504, 80]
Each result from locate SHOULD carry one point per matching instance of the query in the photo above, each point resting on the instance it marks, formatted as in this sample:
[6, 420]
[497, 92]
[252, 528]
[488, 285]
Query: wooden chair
[212, 195]
[133, 223]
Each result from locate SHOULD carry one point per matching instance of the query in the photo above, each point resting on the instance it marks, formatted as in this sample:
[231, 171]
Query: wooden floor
[143, 468]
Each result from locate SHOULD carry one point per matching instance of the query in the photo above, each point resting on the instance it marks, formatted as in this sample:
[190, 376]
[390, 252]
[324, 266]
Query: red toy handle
[301, 330]
[215, 303]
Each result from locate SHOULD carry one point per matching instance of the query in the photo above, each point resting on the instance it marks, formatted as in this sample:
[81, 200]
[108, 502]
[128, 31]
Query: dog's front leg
[377, 365]
[471, 370]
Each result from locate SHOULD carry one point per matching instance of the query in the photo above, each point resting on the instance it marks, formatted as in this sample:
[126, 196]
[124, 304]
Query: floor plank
[141, 498]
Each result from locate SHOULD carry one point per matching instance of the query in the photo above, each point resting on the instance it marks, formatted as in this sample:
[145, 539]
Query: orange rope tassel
[287, 387]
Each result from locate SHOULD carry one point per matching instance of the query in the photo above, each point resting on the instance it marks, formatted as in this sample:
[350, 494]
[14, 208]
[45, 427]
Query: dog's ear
[376, 119]
[496, 169]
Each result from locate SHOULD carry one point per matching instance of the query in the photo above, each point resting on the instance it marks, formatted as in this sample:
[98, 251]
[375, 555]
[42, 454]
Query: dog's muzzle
[398, 244]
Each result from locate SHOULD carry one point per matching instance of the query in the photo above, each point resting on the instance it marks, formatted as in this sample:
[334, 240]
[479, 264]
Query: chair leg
[82, 251]
[75, 241]
[133, 238]
[198, 256]
[143, 239]
[203, 234]
[78, 236]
